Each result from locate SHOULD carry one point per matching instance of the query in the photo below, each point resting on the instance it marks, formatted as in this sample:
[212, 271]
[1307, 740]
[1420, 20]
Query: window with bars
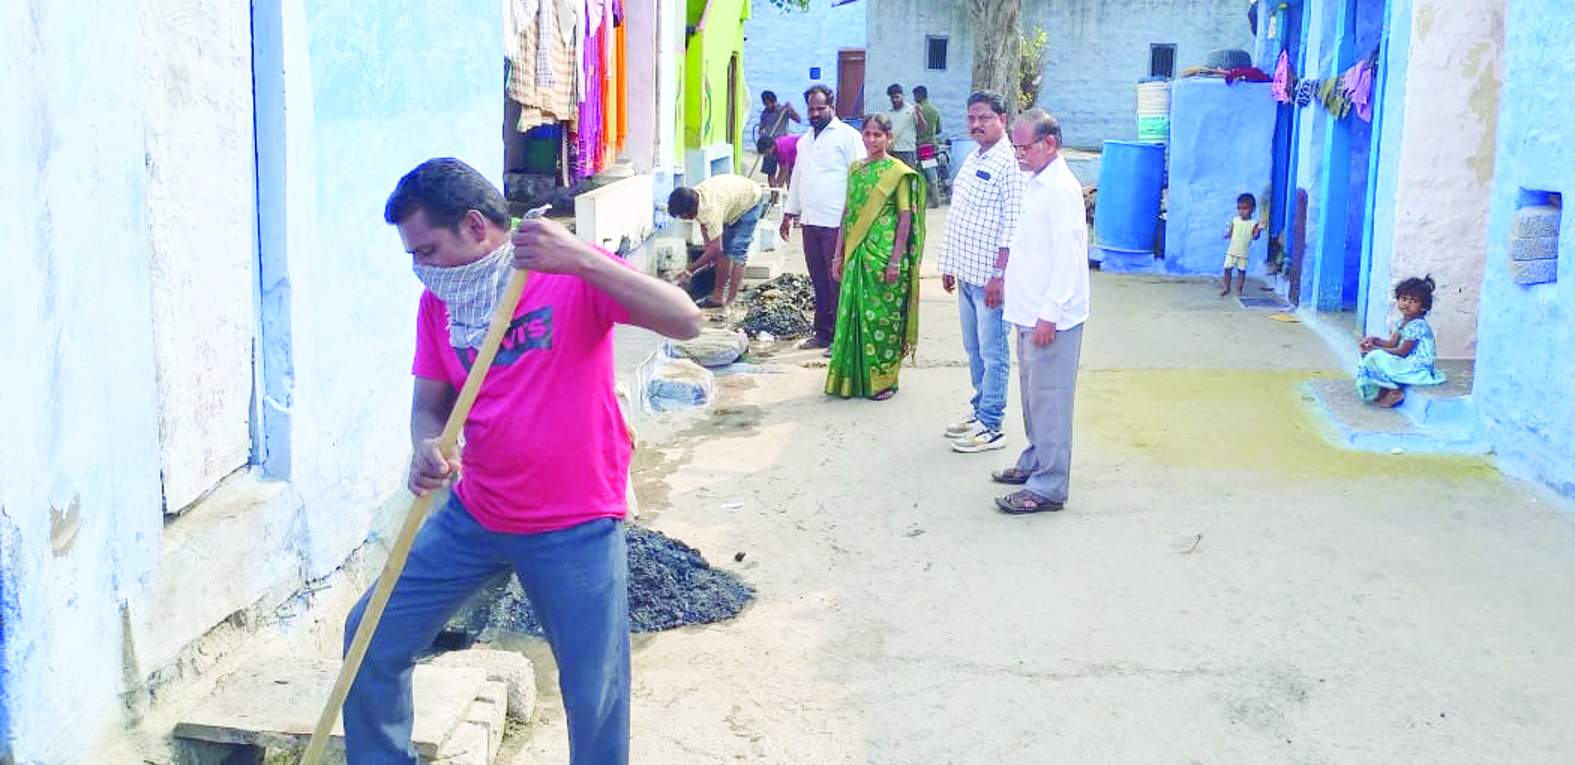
[935, 53]
[1162, 60]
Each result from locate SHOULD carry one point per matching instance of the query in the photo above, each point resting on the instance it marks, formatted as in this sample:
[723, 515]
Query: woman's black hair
[1419, 288]
[880, 121]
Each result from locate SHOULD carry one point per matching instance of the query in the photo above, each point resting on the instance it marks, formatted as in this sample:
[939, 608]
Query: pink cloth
[591, 122]
[546, 446]
[1358, 84]
[787, 149]
[1282, 79]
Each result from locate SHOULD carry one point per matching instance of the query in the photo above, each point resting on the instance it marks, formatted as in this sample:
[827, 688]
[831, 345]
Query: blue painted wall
[1098, 50]
[1525, 332]
[1207, 173]
[1369, 31]
[376, 112]
[1386, 181]
[348, 101]
[780, 47]
[1319, 18]
[79, 423]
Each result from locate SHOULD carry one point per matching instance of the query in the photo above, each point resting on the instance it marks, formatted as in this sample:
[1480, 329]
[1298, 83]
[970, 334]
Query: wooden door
[850, 83]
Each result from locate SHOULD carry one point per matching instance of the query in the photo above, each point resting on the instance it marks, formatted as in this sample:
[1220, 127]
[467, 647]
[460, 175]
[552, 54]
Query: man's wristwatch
[999, 273]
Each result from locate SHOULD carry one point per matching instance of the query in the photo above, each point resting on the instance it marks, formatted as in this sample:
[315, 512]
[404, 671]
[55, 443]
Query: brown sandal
[1025, 502]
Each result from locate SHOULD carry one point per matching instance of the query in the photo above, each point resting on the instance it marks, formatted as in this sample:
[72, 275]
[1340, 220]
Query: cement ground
[1223, 587]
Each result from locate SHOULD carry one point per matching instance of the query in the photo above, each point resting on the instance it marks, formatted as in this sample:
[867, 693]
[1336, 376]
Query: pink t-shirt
[546, 446]
[787, 149]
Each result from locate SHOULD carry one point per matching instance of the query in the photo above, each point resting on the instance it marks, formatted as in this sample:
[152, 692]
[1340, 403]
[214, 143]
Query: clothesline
[1351, 91]
[566, 66]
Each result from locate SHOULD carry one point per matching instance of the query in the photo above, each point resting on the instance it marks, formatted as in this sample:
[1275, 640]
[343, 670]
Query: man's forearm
[1001, 256]
[651, 303]
[426, 424]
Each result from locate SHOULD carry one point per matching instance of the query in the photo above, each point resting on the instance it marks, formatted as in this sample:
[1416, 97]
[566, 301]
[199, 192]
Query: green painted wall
[718, 36]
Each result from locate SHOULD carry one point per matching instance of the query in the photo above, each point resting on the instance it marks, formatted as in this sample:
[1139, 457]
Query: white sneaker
[963, 429]
[982, 441]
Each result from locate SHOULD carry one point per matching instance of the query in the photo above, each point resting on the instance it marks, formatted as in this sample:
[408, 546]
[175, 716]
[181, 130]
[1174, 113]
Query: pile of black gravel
[783, 307]
[670, 585]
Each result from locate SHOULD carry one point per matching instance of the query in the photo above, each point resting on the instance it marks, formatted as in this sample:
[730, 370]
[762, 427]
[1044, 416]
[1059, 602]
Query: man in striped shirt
[987, 201]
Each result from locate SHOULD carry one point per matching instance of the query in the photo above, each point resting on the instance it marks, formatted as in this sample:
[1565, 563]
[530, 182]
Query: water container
[1126, 217]
[1153, 111]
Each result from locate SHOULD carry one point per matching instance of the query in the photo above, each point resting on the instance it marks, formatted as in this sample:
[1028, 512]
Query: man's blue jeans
[577, 580]
[984, 333]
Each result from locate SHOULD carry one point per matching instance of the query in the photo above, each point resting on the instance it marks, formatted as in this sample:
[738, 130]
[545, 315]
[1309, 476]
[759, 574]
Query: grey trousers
[1049, 381]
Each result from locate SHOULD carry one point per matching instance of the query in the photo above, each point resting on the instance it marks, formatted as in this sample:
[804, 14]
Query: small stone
[738, 557]
[1397, 450]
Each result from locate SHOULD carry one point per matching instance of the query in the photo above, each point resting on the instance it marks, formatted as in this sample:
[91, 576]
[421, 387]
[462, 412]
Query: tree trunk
[997, 31]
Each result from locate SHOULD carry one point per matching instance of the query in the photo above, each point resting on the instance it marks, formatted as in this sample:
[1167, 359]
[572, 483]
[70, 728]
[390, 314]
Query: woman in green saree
[878, 251]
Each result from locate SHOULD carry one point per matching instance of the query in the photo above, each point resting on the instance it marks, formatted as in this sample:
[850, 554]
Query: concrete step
[1358, 425]
[268, 709]
[1447, 407]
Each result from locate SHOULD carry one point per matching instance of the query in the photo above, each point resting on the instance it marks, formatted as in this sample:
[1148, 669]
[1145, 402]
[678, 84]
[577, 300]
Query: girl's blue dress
[1381, 369]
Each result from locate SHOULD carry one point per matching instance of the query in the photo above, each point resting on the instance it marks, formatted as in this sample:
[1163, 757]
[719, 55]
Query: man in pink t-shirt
[545, 462]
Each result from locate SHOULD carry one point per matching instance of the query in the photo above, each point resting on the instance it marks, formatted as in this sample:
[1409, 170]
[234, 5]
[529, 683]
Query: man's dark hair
[993, 100]
[446, 189]
[1045, 126]
[1249, 199]
[894, 90]
[768, 96]
[1419, 288]
[766, 145]
[684, 202]
[919, 91]
[823, 90]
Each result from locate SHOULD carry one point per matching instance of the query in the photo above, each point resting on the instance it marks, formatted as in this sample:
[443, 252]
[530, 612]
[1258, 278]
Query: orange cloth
[622, 77]
[609, 118]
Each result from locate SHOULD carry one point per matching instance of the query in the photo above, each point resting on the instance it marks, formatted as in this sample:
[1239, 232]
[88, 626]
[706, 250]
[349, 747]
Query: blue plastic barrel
[1131, 179]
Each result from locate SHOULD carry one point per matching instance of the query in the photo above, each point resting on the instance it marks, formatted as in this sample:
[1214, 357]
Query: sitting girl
[1406, 358]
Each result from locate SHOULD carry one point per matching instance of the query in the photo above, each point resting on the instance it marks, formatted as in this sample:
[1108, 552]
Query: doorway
[1350, 167]
[850, 80]
[732, 100]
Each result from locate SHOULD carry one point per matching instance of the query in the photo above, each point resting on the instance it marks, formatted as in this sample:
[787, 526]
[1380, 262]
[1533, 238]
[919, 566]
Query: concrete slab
[480, 737]
[1358, 425]
[275, 703]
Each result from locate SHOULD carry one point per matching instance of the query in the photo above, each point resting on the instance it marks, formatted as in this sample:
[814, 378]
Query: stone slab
[1533, 271]
[275, 704]
[511, 668]
[479, 738]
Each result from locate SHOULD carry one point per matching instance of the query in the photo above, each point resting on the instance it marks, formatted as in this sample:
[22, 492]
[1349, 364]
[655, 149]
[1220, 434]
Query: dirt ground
[1223, 587]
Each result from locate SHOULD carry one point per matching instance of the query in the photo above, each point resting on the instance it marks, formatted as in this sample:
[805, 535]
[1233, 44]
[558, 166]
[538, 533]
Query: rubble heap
[783, 307]
[670, 585]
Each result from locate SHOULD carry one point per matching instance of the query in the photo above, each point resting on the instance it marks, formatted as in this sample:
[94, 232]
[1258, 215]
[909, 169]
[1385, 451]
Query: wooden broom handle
[418, 513]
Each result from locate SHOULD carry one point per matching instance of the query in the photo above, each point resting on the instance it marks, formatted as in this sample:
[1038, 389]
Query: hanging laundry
[1282, 86]
[1358, 84]
[621, 81]
[1334, 98]
[542, 62]
[589, 159]
[1306, 91]
[1246, 74]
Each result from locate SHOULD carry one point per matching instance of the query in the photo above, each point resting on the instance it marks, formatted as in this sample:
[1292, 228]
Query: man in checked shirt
[987, 201]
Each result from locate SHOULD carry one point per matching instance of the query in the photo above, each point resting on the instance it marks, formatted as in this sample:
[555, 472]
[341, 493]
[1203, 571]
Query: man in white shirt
[816, 196]
[1046, 305]
[906, 121]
